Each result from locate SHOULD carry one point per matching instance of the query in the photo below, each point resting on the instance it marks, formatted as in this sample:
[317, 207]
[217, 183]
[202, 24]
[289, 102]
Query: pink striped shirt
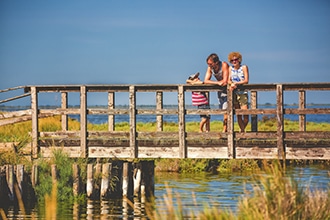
[199, 98]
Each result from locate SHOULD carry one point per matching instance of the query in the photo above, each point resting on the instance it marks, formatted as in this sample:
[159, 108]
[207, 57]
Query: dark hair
[214, 57]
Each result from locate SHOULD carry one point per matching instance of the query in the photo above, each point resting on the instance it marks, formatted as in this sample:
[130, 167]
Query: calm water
[193, 191]
[101, 119]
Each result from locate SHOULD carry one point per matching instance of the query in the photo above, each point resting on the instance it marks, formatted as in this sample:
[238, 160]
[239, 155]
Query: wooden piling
[76, 179]
[89, 184]
[20, 176]
[105, 179]
[10, 181]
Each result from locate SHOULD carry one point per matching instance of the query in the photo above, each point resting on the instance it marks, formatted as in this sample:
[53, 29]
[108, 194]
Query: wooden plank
[230, 125]
[132, 122]
[64, 105]
[14, 98]
[280, 122]
[182, 123]
[83, 122]
[35, 125]
[159, 106]
[302, 105]
[254, 117]
[111, 106]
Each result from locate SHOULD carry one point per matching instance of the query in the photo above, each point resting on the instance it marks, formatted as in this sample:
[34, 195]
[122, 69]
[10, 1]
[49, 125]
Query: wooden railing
[282, 144]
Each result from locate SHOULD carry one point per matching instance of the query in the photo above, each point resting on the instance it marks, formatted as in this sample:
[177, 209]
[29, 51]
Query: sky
[161, 42]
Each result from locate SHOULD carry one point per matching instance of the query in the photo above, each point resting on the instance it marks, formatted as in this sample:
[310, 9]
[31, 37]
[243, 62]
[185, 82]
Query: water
[194, 191]
[102, 119]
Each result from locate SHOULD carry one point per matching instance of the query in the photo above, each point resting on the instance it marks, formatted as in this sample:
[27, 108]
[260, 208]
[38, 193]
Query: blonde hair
[235, 54]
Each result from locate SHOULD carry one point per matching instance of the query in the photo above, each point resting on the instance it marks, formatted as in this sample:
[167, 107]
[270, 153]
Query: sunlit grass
[274, 196]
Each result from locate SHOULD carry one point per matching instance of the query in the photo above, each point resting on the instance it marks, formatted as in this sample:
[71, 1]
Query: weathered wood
[111, 106]
[181, 144]
[254, 117]
[280, 121]
[76, 179]
[106, 170]
[182, 123]
[10, 181]
[125, 179]
[54, 173]
[35, 135]
[20, 177]
[64, 105]
[159, 106]
[230, 125]
[89, 182]
[83, 122]
[132, 120]
[34, 175]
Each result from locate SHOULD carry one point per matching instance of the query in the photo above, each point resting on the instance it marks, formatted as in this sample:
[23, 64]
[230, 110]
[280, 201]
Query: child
[200, 100]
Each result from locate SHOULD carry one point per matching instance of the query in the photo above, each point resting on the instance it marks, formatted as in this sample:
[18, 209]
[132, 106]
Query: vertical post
[76, 179]
[83, 122]
[20, 177]
[125, 179]
[54, 173]
[111, 105]
[10, 181]
[159, 106]
[64, 106]
[280, 120]
[35, 132]
[230, 125]
[132, 122]
[34, 175]
[106, 167]
[148, 179]
[254, 118]
[182, 123]
[302, 105]
[137, 175]
[89, 183]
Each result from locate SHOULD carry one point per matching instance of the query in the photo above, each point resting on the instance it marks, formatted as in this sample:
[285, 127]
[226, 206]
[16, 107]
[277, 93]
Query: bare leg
[201, 124]
[244, 119]
[207, 125]
[225, 119]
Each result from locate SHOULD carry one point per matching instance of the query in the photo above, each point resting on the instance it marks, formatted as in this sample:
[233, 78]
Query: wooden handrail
[159, 111]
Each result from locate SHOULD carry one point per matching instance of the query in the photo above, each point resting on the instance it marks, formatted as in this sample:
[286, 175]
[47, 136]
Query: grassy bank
[19, 132]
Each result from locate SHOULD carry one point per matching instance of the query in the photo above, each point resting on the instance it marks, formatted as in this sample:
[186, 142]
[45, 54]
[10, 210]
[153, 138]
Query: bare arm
[223, 82]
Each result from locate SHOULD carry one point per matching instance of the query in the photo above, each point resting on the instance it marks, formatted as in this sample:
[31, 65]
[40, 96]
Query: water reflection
[194, 191]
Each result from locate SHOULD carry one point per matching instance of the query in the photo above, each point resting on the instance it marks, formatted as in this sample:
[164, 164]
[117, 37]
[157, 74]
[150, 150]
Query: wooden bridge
[282, 144]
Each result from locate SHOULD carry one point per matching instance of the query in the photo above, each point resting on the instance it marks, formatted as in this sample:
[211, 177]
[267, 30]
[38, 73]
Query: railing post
[64, 105]
[302, 105]
[159, 106]
[182, 123]
[280, 124]
[83, 122]
[111, 105]
[230, 125]
[254, 104]
[132, 122]
[35, 124]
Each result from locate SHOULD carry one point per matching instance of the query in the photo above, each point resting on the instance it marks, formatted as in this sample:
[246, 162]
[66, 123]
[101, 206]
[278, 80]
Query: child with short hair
[200, 99]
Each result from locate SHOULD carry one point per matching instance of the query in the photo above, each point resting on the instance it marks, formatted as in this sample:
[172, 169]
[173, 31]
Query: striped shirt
[199, 98]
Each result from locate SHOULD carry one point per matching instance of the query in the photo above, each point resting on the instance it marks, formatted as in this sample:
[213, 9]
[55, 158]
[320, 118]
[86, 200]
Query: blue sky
[153, 42]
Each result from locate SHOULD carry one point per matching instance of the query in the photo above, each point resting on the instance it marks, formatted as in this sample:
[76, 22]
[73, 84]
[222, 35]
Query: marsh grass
[19, 132]
[274, 196]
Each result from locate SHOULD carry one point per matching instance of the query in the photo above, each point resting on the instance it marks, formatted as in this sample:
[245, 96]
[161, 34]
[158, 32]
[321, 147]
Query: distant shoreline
[4, 107]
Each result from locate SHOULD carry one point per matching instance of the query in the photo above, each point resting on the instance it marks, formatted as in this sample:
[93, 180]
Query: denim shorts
[222, 97]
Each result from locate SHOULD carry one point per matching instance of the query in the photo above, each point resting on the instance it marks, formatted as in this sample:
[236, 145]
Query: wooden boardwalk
[281, 144]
